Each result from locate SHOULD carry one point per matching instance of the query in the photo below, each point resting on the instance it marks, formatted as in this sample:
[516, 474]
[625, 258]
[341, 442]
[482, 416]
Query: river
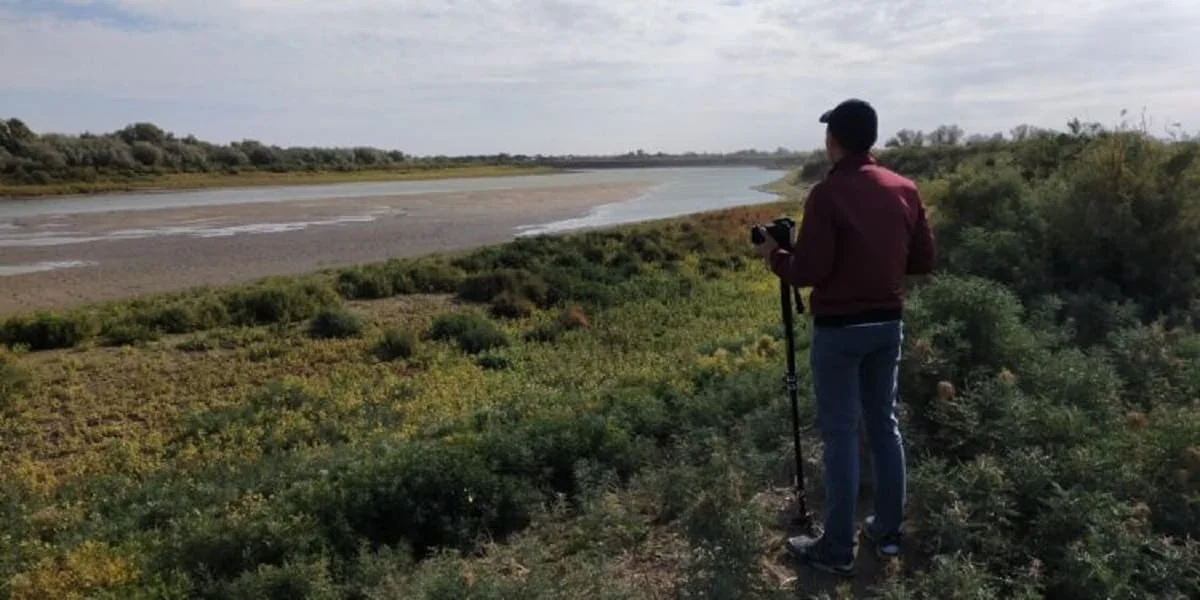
[68, 250]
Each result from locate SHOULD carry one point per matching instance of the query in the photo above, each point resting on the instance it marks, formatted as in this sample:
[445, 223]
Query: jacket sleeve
[812, 261]
[922, 249]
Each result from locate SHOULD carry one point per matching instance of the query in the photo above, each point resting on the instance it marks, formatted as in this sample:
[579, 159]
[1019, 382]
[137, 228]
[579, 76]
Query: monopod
[802, 518]
[782, 230]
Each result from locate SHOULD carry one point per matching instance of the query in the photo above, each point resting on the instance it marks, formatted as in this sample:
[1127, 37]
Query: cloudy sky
[558, 76]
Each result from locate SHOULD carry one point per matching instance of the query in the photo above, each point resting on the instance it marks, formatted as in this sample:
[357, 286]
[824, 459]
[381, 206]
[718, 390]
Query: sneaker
[811, 552]
[887, 546]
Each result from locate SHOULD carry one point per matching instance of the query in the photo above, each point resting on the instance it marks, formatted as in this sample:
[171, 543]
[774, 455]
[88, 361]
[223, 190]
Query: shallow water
[728, 179]
[675, 193]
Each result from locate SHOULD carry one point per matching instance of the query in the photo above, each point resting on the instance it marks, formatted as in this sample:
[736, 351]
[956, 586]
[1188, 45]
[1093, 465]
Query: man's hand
[768, 246]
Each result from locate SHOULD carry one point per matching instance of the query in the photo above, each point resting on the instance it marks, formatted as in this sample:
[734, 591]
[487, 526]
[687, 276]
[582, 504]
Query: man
[863, 231]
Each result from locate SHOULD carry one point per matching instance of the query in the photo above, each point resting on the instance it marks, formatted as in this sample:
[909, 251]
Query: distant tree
[231, 157]
[946, 135]
[12, 133]
[143, 132]
[147, 153]
[906, 138]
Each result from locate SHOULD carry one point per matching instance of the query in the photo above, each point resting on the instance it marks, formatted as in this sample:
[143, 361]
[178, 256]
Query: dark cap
[854, 124]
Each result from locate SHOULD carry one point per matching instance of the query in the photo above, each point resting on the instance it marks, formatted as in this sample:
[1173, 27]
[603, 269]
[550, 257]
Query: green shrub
[1156, 365]
[514, 283]
[365, 283]
[227, 542]
[280, 302]
[127, 334]
[545, 451]
[336, 323]
[46, 331]
[185, 315]
[426, 495]
[544, 333]
[511, 306]
[292, 579]
[473, 332]
[425, 276]
[196, 343]
[397, 344]
[493, 362]
[962, 326]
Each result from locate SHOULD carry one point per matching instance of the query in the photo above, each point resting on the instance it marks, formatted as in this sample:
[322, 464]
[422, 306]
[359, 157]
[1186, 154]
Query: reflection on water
[688, 191]
[60, 239]
[10, 270]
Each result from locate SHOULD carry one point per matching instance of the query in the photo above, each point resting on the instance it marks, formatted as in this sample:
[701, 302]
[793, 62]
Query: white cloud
[462, 76]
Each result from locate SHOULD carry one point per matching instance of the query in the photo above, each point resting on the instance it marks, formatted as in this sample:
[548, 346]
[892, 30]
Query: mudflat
[93, 257]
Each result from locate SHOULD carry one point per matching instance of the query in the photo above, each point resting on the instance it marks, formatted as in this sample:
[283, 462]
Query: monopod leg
[802, 518]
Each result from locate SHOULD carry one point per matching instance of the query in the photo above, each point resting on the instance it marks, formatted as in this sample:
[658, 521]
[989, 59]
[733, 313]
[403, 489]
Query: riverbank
[66, 260]
[194, 181]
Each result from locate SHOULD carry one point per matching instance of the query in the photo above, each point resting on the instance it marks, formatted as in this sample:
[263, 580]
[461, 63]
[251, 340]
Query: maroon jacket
[863, 231]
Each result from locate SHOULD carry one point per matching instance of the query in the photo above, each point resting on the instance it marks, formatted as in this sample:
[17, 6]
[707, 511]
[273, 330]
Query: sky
[600, 76]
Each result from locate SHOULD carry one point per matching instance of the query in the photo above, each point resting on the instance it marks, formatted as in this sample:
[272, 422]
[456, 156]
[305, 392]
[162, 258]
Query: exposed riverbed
[59, 252]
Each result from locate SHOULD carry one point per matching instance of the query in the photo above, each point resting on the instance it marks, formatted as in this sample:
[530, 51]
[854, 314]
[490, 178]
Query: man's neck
[852, 160]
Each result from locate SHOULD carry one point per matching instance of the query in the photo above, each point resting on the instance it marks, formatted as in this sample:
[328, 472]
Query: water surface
[718, 181]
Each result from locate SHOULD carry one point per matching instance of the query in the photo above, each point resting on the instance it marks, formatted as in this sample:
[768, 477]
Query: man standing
[863, 231]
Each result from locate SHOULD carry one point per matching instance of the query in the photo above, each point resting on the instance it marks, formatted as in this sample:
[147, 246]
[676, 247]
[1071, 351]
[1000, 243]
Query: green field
[601, 415]
[185, 181]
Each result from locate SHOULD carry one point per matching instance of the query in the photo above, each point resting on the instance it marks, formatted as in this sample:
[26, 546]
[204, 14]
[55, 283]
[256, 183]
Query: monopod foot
[802, 523]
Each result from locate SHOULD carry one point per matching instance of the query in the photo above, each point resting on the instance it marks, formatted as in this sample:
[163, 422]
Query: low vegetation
[600, 415]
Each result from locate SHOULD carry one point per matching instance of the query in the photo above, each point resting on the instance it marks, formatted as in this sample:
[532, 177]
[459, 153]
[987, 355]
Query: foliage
[473, 332]
[336, 323]
[397, 344]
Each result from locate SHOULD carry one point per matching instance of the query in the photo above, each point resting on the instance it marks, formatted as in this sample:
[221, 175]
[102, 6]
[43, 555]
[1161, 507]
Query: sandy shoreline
[129, 253]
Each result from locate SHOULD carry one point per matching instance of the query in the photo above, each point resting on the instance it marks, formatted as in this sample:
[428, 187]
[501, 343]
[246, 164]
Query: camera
[779, 229]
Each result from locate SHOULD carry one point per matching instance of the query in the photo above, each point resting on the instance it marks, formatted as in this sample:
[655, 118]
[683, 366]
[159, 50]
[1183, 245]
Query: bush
[335, 324]
[128, 334]
[362, 283]
[425, 276]
[425, 495]
[514, 284]
[473, 332]
[45, 331]
[962, 326]
[188, 315]
[293, 579]
[280, 302]
[493, 362]
[510, 306]
[397, 344]
[544, 333]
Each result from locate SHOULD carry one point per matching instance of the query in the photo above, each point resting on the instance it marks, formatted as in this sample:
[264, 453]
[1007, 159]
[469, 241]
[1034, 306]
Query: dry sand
[400, 226]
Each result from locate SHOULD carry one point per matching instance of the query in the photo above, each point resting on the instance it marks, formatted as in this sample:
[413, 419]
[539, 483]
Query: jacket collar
[849, 163]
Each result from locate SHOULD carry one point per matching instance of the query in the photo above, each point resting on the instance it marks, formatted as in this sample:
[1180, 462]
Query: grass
[617, 428]
[187, 181]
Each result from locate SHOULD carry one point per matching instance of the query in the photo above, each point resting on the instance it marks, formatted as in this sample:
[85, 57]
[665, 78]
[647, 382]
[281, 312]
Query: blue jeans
[854, 372]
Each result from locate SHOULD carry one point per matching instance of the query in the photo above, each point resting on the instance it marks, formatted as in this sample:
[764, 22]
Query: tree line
[142, 150]
[145, 150]
[1038, 151]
